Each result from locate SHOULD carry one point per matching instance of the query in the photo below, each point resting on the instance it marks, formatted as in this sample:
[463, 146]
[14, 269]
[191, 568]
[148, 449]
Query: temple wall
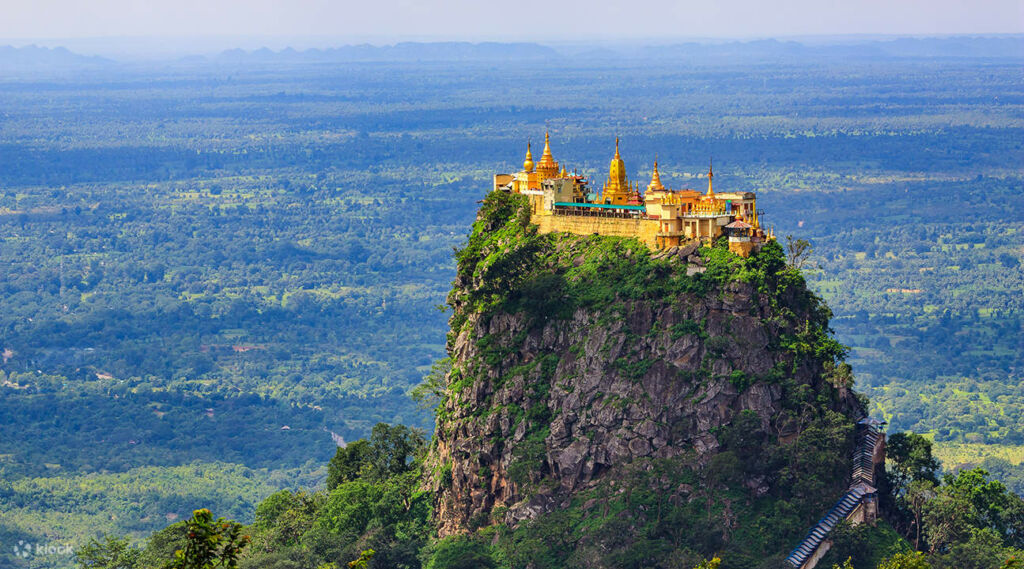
[645, 230]
[741, 248]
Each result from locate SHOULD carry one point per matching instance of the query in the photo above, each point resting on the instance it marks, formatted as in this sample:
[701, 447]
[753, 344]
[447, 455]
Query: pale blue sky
[543, 20]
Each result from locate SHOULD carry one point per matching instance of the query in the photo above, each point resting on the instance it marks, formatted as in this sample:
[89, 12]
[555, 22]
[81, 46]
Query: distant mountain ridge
[965, 47]
[32, 56]
[405, 51]
[955, 47]
[997, 47]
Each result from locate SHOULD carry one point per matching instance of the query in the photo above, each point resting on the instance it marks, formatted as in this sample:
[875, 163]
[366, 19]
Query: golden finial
[547, 165]
[546, 155]
[528, 163]
[711, 174]
[617, 183]
[655, 178]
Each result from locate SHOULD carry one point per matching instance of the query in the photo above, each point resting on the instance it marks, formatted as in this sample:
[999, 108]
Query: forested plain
[210, 274]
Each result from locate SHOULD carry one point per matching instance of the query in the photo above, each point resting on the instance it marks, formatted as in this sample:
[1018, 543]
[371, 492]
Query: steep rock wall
[551, 390]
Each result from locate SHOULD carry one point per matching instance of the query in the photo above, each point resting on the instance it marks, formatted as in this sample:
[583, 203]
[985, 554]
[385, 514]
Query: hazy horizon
[301, 24]
[145, 47]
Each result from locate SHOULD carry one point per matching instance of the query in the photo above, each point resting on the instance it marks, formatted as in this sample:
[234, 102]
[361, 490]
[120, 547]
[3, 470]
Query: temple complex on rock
[657, 216]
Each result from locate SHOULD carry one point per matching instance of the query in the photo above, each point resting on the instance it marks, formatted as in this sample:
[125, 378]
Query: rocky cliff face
[575, 356]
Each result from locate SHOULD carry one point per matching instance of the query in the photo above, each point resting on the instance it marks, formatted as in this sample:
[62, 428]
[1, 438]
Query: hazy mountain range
[35, 57]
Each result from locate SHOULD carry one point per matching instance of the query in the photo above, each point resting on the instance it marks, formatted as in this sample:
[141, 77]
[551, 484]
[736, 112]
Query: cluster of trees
[371, 509]
[964, 520]
[71, 508]
[200, 542]
[959, 520]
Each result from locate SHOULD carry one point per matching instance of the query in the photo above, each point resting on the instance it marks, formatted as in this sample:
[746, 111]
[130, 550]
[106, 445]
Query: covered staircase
[861, 492]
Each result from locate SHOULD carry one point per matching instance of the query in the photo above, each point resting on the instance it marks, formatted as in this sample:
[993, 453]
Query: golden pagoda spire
[528, 163]
[547, 167]
[616, 189]
[711, 174]
[655, 178]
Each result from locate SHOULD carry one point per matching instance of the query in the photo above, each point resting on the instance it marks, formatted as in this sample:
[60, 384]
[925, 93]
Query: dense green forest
[229, 268]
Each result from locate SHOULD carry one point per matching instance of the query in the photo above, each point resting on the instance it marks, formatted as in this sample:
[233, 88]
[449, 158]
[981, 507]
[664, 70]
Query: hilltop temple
[659, 217]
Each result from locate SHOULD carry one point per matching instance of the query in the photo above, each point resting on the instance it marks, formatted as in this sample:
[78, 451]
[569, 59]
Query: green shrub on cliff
[374, 502]
[507, 265]
[459, 552]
